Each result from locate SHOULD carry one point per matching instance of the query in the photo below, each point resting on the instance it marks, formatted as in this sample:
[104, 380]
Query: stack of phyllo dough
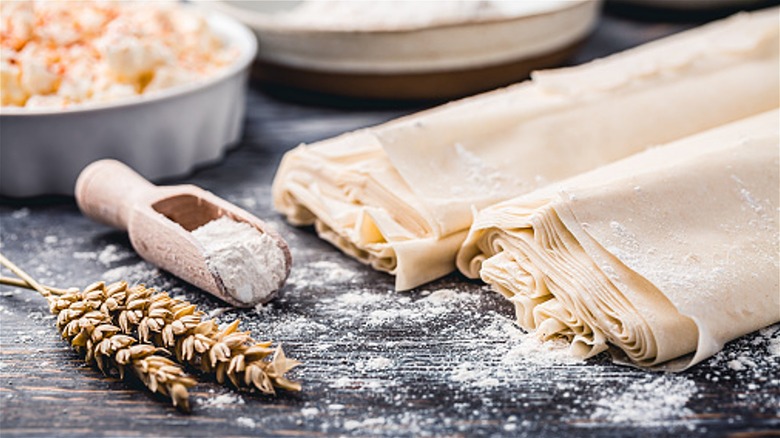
[663, 255]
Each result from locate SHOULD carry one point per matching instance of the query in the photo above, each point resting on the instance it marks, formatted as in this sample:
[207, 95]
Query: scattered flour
[482, 362]
[222, 401]
[649, 402]
[108, 256]
[248, 202]
[628, 239]
[478, 174]
[251, 264]
[378, 363]
[359, 299]
[321, 273]
[139, 272]
[434, 305]
[513, 353]
[246, 422]
[335, 273]
[21, 213]
[752, 361]
[474, 375]
[85, 255]
[111, 254]
[310, 412]
[526, 348]
[219, 311]
[774, 347]
[342, 382]
[772, 334]
[368, 423]
[293, 326]
[741, 363]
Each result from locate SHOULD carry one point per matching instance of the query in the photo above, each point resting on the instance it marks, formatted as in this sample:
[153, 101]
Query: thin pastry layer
[662, 257]
[399, 196]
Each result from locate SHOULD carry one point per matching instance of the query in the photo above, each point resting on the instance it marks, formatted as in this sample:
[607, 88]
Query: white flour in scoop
[250, 263]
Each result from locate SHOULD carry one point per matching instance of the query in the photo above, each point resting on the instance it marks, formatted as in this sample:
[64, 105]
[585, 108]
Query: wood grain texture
[339, 318]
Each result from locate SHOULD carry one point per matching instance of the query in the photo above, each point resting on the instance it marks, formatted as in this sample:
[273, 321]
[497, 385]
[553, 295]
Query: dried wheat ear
[178, 326]
[86, 320]
[120, 328]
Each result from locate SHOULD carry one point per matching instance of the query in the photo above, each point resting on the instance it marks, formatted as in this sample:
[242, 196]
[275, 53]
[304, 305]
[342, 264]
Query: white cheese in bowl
[59, 54]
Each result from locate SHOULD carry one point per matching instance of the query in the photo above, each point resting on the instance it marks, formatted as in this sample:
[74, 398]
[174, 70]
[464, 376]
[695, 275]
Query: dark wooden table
[441, 360]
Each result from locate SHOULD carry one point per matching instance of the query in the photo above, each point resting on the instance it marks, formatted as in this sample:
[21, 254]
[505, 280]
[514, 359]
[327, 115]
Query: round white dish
[432, 51]
[164, 134]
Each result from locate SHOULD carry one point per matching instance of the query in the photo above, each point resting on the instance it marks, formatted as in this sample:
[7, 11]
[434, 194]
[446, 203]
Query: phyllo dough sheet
[661, 258]
[399, 196]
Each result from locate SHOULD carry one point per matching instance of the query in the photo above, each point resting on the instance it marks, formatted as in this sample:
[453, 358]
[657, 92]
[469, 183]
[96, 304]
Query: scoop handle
[108, 190]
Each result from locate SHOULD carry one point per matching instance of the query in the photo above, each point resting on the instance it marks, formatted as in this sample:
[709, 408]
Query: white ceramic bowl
[410, 57]
[164, 134]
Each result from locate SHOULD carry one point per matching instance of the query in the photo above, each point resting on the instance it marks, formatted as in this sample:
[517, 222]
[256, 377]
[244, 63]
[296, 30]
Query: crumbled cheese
[59, 54]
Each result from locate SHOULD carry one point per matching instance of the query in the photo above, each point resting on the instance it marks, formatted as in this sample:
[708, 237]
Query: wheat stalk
[85, 320]
[168, 324]
[230, 354]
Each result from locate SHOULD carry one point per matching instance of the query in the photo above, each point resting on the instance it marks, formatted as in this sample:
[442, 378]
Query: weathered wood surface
[376, 362]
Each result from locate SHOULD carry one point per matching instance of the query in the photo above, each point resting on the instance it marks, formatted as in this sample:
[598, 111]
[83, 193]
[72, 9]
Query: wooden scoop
[160, 219]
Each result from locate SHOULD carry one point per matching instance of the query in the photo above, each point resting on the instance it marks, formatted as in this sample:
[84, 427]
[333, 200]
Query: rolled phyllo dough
[661, 257]
[399, 196]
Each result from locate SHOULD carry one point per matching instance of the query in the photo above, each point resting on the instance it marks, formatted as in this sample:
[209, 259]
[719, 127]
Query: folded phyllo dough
[661, 257]
[399, 196]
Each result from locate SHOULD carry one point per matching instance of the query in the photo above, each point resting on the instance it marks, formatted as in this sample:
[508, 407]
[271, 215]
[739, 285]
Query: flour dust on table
[478, 354]
[450, 361]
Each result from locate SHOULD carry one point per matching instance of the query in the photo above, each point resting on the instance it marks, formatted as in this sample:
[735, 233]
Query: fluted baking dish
[164, 134]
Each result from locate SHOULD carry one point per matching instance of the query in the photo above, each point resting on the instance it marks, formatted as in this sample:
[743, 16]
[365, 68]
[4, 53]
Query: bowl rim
[260, 22]
[231, 30]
